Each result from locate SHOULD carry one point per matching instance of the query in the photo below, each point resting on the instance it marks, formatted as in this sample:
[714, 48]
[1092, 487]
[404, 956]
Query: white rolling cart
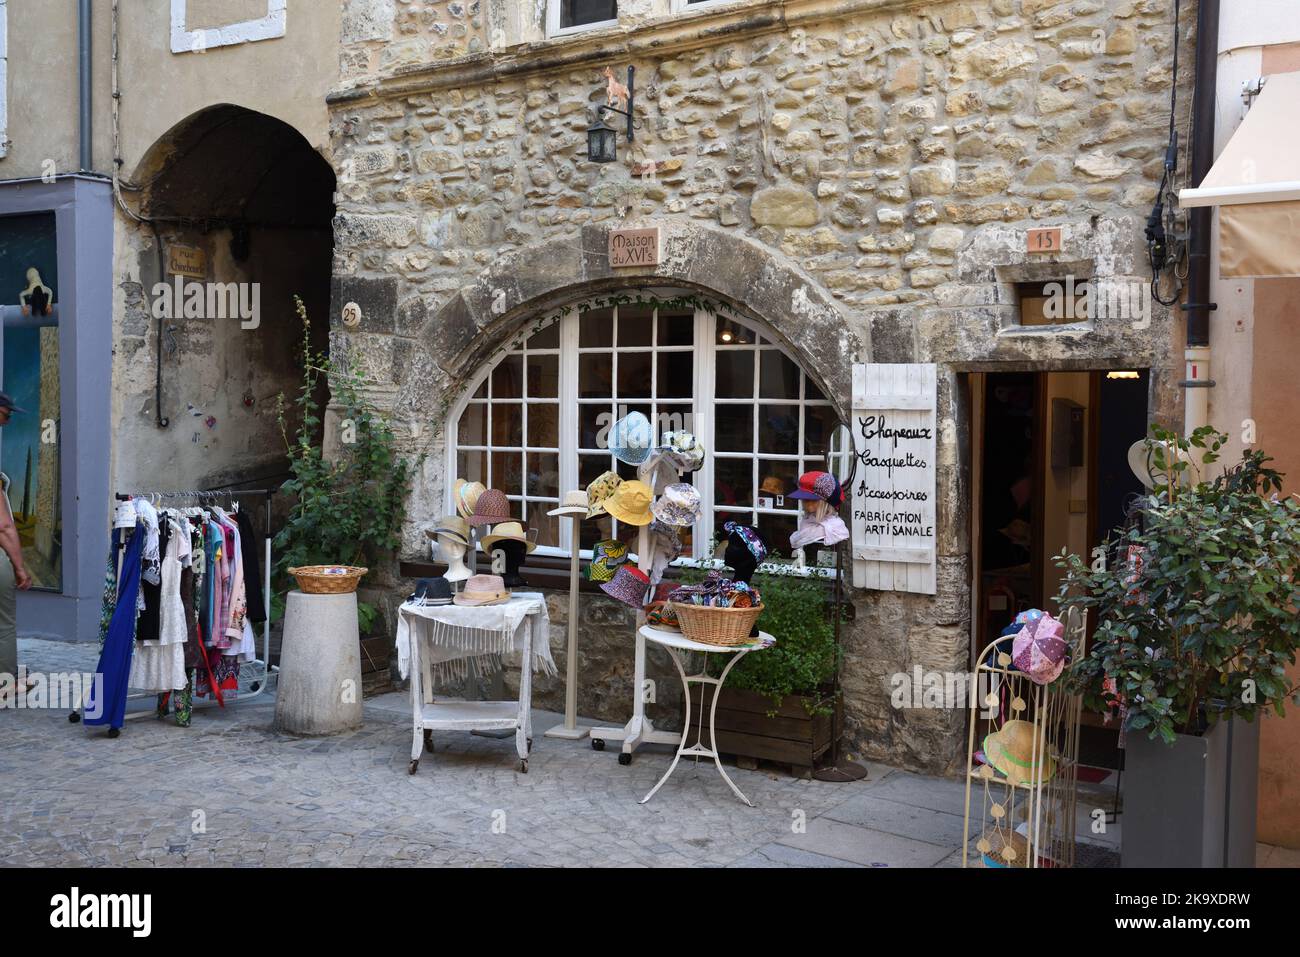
[443, 639]
[675, 643]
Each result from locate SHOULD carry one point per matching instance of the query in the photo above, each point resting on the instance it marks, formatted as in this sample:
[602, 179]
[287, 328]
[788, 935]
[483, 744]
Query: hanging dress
[106, 703]
[159, 663]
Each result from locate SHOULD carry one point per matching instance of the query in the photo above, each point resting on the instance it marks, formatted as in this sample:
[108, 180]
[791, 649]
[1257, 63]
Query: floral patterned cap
[601, 488]
[682, 449]
[679, 505]
[749, 537]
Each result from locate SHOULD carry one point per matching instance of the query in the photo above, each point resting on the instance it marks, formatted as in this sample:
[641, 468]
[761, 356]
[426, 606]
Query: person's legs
[8, 619]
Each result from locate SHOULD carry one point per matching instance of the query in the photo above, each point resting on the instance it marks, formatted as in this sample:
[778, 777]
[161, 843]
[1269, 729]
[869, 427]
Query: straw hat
[1006, 849]
[492, 507]
[1011, 751]
[483, 590]
[573, 503]
[450, 526]
[630, 503]
[601, 488]
[772, 485]
[1144, 466]
[465, 496]
[506, 531]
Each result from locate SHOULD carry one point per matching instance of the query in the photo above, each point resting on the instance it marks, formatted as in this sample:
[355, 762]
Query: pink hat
[1039, 649]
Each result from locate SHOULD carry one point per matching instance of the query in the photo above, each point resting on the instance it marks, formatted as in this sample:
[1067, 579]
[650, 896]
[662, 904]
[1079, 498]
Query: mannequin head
[453, 553]
[739, 556]
[513, 552]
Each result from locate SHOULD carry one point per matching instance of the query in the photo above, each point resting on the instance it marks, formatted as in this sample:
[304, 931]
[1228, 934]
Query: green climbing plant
[347, 507]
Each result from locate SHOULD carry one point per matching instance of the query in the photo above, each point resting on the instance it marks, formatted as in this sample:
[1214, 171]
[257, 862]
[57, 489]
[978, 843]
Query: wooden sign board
[1043, 240]
[895, 427]
[634, 247]
[188, 261]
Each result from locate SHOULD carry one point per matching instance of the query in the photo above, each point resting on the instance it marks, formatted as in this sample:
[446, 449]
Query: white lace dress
[160, 665]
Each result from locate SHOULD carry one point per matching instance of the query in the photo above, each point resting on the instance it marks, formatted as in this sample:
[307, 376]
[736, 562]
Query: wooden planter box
[790, 736]
[375, 677]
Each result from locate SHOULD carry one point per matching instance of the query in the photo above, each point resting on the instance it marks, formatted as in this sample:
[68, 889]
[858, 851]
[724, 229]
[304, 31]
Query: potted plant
[1196, 623]
[348, 503]
[778, 703]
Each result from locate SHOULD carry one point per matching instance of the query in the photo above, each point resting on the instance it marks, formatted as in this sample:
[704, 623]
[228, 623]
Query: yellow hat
[1011, 751]
[630, 503]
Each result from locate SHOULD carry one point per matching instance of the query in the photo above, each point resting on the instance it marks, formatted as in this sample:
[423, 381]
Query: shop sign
[634, 247]
[188, 261]
[894, 425]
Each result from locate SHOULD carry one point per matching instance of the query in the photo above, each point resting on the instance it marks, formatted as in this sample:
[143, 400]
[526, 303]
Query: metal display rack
[255, 675]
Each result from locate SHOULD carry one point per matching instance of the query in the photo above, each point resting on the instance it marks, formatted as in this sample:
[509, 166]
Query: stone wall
[884, 158]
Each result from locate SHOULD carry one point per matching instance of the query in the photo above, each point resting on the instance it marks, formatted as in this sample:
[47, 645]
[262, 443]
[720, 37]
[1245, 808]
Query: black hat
[7, 403]
[432, 591]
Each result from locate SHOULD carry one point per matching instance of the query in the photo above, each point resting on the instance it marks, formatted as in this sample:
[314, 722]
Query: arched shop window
[533, 423]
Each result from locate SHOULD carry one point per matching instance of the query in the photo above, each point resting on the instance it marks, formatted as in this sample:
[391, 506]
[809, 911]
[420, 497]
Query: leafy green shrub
[348, 509]
[1204, 624]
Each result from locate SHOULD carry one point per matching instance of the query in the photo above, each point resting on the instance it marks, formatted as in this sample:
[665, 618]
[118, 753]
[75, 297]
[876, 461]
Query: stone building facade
[855, 176]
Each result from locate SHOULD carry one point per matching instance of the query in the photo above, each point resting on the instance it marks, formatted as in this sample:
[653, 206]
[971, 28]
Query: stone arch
[748, 276]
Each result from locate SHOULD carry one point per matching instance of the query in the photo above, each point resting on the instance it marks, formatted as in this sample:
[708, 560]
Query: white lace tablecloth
[457, 635]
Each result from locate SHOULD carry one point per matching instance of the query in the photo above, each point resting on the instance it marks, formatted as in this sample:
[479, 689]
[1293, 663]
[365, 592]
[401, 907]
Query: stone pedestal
[320, 666]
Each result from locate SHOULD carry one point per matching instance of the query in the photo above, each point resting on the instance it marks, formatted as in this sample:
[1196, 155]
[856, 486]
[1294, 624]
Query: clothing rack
[255, 674]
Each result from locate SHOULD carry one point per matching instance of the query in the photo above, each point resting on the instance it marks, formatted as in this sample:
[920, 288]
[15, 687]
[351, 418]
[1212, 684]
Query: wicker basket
[328, 579]
[711, 625]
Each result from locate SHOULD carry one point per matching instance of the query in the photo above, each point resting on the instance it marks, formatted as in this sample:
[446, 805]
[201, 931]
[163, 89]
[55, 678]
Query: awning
[1255, 182]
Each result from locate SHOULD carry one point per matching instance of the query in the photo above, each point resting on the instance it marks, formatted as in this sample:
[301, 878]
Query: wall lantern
[602, 141]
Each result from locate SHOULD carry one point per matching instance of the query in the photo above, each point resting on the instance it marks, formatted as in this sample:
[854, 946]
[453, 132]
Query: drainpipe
[1196, 385]
[86, 97]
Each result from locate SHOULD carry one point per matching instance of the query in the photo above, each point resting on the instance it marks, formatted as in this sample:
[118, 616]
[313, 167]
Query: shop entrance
[1049, 472]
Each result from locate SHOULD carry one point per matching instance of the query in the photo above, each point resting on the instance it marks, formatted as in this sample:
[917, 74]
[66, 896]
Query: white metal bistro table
[675, 643]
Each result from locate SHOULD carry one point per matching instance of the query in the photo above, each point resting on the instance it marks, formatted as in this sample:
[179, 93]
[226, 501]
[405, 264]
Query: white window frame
[269, 27]
[705, 349]
[4, 78]
[553, 28]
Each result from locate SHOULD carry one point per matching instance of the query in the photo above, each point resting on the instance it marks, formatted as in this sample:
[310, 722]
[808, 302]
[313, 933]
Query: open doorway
[1049, 473]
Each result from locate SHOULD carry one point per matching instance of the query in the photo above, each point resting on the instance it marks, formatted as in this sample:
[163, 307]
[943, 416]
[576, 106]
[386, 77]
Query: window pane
[733, 482]
[544, 425]
[544, 376]
[811, 392]
[548, 338]
[543, 474]
[673, 418]
[574, 13]
[778, 377]
[507, 472]
[472, 466]
[473, 425]
[596, 328]
[735, 374]
[733, 333]
[545, 527]
[593, 419]
[676, 374]
[508, 378]
[635, 324]
[634, 374]
[591, 466]
[481, 391]
[733, 428]
[777, 529]
[777, 480]
[676, 328]
[595, 375]
[819, 424]
[778, 429]
[507, 424]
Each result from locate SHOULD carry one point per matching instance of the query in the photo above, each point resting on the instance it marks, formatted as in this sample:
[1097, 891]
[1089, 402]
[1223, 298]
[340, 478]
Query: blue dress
[106, 703]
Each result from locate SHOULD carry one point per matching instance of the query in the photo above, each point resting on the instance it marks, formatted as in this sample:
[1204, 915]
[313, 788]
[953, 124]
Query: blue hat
[631, 439]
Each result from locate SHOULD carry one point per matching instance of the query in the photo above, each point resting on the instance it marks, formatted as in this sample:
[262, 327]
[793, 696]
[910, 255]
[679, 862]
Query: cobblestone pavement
[229, 791]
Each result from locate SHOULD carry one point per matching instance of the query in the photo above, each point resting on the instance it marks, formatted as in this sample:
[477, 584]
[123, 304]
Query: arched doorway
[236, 210]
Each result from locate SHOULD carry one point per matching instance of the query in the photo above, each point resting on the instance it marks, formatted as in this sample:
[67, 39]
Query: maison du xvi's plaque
[634, 247]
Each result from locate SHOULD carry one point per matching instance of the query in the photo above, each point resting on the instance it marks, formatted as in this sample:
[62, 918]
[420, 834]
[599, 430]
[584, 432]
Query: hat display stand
[639, 729]
[453, 553]
[571, 730]
[1022, 763]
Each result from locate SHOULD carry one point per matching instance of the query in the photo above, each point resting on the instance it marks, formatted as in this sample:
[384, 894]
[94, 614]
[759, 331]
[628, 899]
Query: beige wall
[287, 77]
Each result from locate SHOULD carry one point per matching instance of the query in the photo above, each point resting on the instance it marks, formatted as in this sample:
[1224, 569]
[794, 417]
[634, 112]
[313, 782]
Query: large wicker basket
[328, 579]
[711, 625]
